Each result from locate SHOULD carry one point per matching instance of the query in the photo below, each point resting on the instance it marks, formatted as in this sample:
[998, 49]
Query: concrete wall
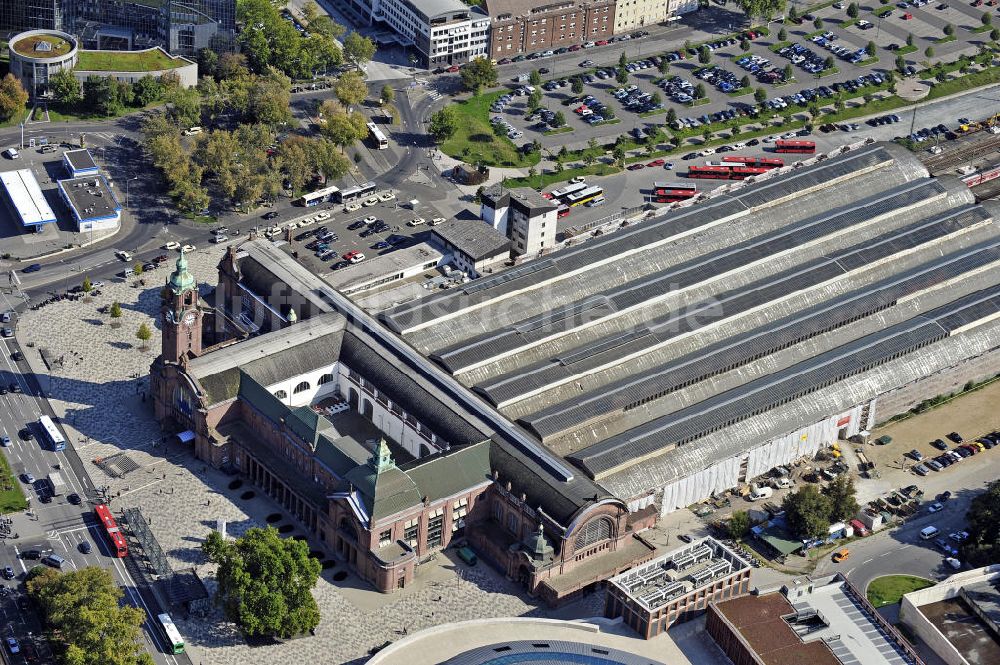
[910, 614]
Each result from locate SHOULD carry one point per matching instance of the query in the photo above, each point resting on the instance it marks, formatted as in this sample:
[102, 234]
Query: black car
[33, 555]
[34, 267]
[270, 215]
[84, 547]
[45, 497]
[955, 437]
[302, 236]
[26, 434]
[339, 265]
[74, 499]
[354, 226]
[17, 356]
[684, 537]
[939, 444]
[8, 573]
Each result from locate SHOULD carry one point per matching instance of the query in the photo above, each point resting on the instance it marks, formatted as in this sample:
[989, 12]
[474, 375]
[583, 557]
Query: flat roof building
[26, 198]
[92, 203]
[79, 163]
[676, 586]
[387, 268]
[826, 621]
[474, 245]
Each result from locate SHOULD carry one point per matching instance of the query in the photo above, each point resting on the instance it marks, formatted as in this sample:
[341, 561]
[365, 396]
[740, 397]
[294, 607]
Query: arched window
[281, 394]
[326, 378]
[594, 531]
[302, 387]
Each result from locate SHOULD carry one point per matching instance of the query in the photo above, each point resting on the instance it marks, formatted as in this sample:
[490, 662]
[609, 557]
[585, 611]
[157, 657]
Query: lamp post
[127, 181]
[912, 91]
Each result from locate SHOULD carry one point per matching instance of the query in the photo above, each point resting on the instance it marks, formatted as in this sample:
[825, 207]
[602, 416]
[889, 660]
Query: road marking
[885, 554]
[867, 561]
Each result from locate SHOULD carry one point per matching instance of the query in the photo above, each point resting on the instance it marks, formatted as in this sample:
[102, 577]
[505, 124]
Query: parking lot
[827, 63]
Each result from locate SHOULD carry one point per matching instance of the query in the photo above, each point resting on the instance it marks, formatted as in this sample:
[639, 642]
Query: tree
[760, 95]
[664, 66]
[744, 44]
[148, 90]
[534, 100]
[478, 74]
[621, 75]
[577, 85]
[818, 23]
[65, 88]
[739, 524]
[699, 91]
[761, 8]
[358, 50]
[86, 286]
[949, 30]
[107, 95]
[745, 83]
[706, 134]
[387, 96]
[265, 582]
[995, 34]
[559, 120]
[829, 62]
[782, 35]
[671, 116]
[268, 98]
[183, 106]
[618, 154]
[85, 608]
[656, 99]
[901, 64]
[793, 14]
[852, 10]
[807, 512]
[115, 313]
[622, 60]
[929, 52]
[983, 519]
[444, 124]
[137, 268]
[986, 18]
[789, 73]
[144, 334]
[704, 55]
[870, 49]
[351, 89]
[909, 39]
[843, 504]
[12, 97]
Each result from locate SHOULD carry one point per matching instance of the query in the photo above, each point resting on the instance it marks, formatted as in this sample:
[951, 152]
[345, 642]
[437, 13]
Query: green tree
[534, 78]
[671, 116]
[852, 10]
[782, 35]
[115, 313]
[65, 88]
[358, 50]
[12, 97]
[478, 74]
[760, 95]
[137, 268]
[621, 75]
[706, 134]
[909, 39]
[147, 90]
[265, 582]
[388, 95]
[789, 73]
[793, 14]
[144, 334]
[704, 55]
[807, 512]
[85, 608]
[268, 98]
[534, 100]
[296, 162]
[622, 60]
[818, 23]
[744, 44]
[986, 18]
[328, 161]
[763, 9]
[995, 34]
[577, 85]
[183, 106]
[901, 64]
[949, 30]
[656, 99]
[618, 154]
[86, 286]
[351, 89]
[108, 96]
[829, 62]
[843, 504]
[929, 52]
[699, 91]
[444, 124]
[870, 49]
[983, 524]
[559, 120]
[664, 65]
[739, 524]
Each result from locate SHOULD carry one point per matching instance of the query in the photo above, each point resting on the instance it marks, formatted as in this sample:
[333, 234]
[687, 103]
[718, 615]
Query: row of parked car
[593, 111]
[957, 454]
[804, 57]
[679, 89]
[498, 122]
[761, 67]
[575, 47]
[634, 99]
[723, 79]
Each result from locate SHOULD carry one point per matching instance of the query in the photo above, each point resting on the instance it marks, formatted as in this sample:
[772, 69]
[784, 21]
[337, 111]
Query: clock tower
[181, 315]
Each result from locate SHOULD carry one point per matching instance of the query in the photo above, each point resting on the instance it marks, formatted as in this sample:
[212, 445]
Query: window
[594, 531]
[512, 523]
[435, 527]
[410, 531]
[458, 511]
[326, 378]
[281, 394]
[302, 387]
[385, 538]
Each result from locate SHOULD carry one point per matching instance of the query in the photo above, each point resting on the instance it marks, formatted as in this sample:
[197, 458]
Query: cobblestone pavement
[98, 392]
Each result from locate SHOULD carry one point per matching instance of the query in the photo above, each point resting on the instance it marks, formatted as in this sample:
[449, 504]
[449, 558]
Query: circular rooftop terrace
[42, 44]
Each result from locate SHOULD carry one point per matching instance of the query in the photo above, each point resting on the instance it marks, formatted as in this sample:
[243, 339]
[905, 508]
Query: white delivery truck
[57, 483]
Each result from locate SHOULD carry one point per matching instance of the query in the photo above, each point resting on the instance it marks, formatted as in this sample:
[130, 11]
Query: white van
[929, 532]
[191, 131]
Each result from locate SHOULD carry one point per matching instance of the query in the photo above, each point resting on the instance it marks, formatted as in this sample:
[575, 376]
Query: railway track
[987, 190]
[974, 149]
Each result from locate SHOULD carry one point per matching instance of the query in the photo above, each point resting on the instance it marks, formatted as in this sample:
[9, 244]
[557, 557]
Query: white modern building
[523, 215]
[25, 197]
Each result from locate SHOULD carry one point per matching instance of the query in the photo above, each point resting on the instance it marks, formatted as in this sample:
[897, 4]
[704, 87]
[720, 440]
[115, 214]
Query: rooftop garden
[126, 61]
[43, 46]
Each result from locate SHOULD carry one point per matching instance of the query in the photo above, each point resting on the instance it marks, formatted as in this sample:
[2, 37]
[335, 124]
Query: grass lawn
[475, 142]
[647, 114]
[698, 102]
[739, 92]
[906, 49]
[891, 588]
[14, 120]
[780, 45]
[125, 61]
[868, 61]
[982, 28]
[946, 39]
[827, 72]
[883, 11]
[986, 77]
[565, 129]
[542, 180]
[11, 497]
[848, 23]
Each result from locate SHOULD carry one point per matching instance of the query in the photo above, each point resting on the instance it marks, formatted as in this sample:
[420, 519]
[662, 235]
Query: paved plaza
[98, 391]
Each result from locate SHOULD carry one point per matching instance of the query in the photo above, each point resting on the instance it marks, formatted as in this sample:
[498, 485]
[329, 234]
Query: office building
[521, 26]
[521, 214]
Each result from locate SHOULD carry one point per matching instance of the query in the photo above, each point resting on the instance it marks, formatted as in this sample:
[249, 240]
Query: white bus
[569, 189]
[52, 434]
[585, 196]
[381, 142]
[319, 196]
[355, 193]
[175, 644]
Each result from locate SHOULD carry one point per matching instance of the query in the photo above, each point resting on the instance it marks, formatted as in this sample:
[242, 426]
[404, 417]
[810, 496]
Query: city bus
[119, 546]
[766, 162]
[569, 189]
[53, 436]
[804, 147]
[669, 192]
[381, 142]
[175, 644]
[583, 196]
[356, 193]
[562, 210]
[317, 197]
[725, 173]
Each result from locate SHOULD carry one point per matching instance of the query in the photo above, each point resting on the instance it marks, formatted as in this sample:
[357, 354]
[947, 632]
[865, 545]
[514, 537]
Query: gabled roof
[384, 493]
[450, 473]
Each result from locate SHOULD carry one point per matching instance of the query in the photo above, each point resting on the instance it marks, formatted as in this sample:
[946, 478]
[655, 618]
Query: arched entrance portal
[352, 399]
[368, 410]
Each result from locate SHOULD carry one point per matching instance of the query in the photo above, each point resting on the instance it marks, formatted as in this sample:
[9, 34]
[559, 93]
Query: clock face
[189, 318]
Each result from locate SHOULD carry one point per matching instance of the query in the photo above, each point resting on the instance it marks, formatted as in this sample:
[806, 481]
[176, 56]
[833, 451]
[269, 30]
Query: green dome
[180, 279]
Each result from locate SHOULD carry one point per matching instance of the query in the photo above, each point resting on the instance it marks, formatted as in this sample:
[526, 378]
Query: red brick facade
[517, 29]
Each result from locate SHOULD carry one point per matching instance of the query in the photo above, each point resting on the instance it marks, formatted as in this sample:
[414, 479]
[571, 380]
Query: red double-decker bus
[805, 147]
[119, 547]
[725, 172]
[765, 162]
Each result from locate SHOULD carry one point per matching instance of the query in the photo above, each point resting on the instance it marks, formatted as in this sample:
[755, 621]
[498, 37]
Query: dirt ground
[971, 415]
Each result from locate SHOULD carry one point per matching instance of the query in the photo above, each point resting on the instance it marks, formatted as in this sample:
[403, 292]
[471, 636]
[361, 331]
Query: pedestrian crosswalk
[434, 95]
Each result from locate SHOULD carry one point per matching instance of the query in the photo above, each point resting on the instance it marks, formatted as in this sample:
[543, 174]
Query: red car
[637, 167]
[547, 195]
[907, 17]
[575, 47]
[603, 42]
[350, 255]
[452, 69]
[656, 162]
[581, 109]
